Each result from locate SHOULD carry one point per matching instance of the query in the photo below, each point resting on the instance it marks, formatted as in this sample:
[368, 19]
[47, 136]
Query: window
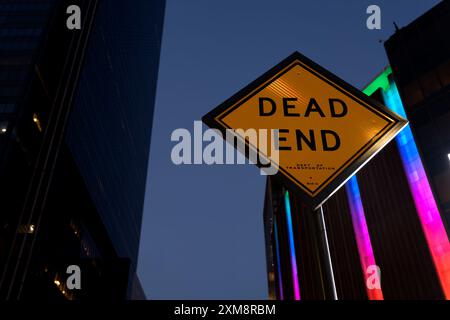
[26, 228]
[7, 108]
[412, 93]
[430, 83]
[19, 44]
[15, 61]
[25, 6]
[10, 91]
[444, 73]
[20, 32]
[13, 74]
[3, 127]
[37, 122]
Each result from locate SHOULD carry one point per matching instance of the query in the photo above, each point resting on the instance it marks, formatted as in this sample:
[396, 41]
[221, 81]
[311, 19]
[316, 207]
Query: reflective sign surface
[326, 129]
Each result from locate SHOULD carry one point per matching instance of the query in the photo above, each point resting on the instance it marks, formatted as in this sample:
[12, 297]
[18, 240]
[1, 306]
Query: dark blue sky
[202, 235]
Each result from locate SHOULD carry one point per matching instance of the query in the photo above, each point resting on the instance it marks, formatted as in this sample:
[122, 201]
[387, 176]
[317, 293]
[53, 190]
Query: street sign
[326, 129]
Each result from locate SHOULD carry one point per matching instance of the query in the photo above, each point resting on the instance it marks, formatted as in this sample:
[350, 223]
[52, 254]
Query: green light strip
[381, 81]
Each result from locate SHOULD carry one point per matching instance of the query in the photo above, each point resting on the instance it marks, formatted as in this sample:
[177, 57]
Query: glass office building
[76, 109]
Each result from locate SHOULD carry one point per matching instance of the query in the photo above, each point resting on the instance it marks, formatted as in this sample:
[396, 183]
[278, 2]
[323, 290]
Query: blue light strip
[363, 243]
[426, 206]
[292, 247]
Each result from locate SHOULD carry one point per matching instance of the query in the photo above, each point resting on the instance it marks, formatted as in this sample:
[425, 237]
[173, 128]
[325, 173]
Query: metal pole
[325, 253]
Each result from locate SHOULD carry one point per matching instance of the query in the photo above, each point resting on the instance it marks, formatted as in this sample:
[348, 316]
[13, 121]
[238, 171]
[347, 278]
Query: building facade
[76, 109]
[420, 58]
[394, 213]
[385, 216]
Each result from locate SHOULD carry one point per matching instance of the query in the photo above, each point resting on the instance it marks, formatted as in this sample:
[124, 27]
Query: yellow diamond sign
[326, 130]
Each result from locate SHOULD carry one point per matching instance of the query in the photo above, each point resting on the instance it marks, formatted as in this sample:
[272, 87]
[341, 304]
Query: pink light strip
[428, 212]
[363, 243]
[292, 247]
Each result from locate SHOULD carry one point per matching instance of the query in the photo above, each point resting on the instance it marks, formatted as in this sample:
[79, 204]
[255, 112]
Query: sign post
[323, 130]
[330, 283]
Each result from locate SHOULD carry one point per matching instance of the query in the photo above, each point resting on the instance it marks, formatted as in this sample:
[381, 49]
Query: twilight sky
[202, 234]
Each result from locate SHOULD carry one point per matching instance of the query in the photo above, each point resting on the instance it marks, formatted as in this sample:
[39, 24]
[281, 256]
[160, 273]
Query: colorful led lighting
[277, 249]
[381, 81]
[425, 203]
[363, 243]
[292, 247]
[366, 256]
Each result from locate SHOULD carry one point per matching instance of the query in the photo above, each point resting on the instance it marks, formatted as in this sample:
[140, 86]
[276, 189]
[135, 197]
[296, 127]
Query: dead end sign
[327, 129]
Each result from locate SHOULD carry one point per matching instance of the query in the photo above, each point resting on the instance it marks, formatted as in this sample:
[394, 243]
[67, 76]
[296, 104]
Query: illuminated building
[385, 216]
[76, 109]
[420, 58]
[390, 214]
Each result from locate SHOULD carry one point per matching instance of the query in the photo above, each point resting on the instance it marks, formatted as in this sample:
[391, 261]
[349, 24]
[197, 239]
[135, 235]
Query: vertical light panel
[363, 243]
[277, 249]
[366, 256]
[428, 212]
[293, 256]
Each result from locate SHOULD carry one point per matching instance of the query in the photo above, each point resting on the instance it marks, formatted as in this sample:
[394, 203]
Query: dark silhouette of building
[419, 55]
[76, 109]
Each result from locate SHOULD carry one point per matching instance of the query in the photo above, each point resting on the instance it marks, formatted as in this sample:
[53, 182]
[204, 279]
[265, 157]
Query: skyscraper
[76, 114]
